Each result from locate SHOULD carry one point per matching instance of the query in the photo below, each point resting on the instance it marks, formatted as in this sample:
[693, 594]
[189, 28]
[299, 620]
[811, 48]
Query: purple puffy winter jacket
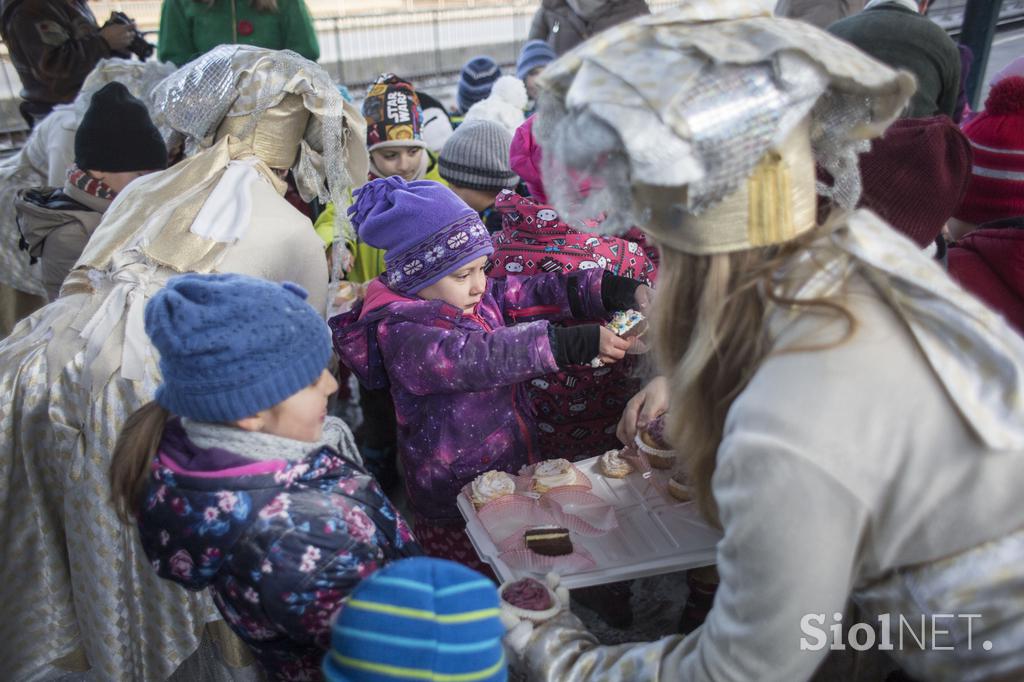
[455, 377]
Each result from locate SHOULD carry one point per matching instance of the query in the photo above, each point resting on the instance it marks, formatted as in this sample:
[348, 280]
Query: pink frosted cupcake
[652, 443]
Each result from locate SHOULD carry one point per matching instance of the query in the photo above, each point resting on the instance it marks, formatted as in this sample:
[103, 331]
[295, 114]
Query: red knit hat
[996, 189]
[916, 174]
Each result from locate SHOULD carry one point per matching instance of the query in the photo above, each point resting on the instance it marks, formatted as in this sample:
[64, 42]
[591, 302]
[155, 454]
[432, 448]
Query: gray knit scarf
[264, 446]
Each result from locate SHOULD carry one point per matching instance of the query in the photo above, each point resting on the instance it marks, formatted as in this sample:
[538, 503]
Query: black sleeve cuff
[575, 345]
[575, 302]
[618, 293]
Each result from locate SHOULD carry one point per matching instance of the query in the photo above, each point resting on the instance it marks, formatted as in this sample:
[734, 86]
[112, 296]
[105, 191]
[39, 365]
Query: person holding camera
[54, 44]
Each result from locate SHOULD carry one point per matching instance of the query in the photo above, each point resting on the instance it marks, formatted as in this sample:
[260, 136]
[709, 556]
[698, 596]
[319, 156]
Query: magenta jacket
[456, 378]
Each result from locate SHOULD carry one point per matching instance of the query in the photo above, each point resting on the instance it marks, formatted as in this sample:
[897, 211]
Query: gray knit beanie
[476, 157]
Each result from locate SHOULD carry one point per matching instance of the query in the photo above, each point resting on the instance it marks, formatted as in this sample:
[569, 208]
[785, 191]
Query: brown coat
[54, 44]
[55, 225]
[563, 29]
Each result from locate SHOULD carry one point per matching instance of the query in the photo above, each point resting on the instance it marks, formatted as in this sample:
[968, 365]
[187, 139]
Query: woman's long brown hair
[133, 454]
[710, 332]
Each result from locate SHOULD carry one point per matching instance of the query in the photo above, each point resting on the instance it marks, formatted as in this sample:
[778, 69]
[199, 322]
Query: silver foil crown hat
[690, 100]
[242, 81]
[141, 79]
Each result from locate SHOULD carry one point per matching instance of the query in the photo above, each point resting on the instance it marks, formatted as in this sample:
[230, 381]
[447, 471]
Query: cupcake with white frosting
[490, 486]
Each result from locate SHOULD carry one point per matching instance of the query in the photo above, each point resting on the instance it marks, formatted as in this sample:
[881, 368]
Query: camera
[139, 46]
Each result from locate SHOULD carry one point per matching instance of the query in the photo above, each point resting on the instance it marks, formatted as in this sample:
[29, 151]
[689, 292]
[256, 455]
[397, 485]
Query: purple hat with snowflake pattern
[425, 230]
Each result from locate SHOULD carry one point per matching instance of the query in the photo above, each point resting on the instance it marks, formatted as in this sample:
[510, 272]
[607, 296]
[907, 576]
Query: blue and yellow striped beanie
[419, 619]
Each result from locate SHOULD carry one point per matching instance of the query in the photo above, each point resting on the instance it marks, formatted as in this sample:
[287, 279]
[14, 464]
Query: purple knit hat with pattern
[425, 230]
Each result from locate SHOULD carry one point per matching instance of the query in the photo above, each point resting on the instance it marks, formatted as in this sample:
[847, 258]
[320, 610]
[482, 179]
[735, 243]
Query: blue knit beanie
[425, 230]
[475, 81]
[419, 619]
[535, 53]
[231, 346]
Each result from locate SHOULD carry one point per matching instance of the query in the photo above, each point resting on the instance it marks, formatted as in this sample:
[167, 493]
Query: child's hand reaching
[612, 347]
[588, 343]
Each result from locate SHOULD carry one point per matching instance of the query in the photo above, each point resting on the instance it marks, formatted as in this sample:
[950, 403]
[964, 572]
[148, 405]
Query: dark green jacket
[189, 28]
[907, 40]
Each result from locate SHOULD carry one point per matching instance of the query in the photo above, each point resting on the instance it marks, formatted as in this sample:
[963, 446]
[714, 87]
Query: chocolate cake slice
[548, 540]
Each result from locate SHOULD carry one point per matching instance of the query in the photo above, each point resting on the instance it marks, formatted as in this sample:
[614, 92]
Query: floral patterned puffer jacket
[280, 542]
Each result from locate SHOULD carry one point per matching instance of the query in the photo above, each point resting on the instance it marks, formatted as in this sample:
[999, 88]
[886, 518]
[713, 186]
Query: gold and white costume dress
[78, 593]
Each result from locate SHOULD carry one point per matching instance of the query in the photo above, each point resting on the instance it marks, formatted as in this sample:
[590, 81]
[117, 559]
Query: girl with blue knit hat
[454, 346]
[535, 55]
[237, 478]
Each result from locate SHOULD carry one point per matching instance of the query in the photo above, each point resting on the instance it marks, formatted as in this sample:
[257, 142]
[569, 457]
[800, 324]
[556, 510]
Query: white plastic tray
[655, 534]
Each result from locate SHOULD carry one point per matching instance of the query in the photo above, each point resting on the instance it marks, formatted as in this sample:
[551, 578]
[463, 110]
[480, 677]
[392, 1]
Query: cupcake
[612, 465]
[652, 443]
[553, 473]
[490, 486]
[529, 599]
[678, 488]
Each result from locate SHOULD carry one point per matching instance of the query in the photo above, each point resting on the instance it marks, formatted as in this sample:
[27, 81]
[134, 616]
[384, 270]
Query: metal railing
[426, 41]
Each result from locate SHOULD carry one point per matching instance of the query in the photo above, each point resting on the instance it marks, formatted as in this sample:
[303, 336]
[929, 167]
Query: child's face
[299, 416]
[463, 288]
[402, 161]
[531, 81]
[476, 199]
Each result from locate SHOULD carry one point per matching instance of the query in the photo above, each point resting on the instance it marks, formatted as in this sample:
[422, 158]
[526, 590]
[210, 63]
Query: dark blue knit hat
[231, 345]
[419, 619]
[535, 53]
[475, 81]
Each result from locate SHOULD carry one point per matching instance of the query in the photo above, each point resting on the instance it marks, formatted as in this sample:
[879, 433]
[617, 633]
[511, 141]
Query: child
[533, 58]
[475, 164]
[394, 120]
[433, 329]
[384, 631]
[394, 140]
[237, 478]
[115, 143]
[525, 156]
[394, 137]
[475, 82]
[505, 105]
[576, 410]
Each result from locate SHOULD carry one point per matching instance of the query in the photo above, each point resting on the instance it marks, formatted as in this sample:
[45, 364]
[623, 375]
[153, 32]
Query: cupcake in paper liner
[651, 441]
[489, 487]
[613, 465]
[678, 487]
[557, 473]
[531, 599]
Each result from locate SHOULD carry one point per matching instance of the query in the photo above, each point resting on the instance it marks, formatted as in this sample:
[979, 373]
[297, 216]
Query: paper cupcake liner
[648, 450]
[528, 614]
[512, 515]
[525, 560]
[581, 512]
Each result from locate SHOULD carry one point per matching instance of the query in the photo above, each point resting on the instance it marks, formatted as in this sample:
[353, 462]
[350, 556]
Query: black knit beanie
[117, 135]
